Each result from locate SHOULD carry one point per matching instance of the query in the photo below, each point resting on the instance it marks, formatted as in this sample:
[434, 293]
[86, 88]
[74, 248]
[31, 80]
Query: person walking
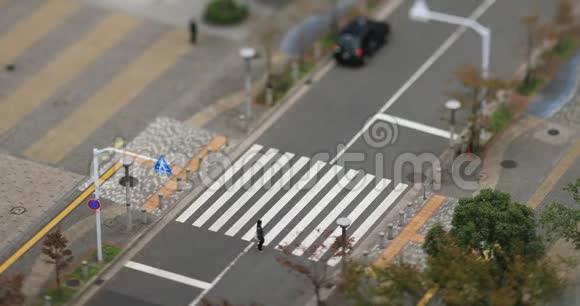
[260, 235]
[192, 31]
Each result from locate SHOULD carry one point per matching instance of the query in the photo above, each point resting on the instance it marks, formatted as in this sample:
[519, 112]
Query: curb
[257, 128]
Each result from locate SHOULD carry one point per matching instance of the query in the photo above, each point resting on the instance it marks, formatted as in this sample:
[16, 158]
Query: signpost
[94, 204]
[162, 166]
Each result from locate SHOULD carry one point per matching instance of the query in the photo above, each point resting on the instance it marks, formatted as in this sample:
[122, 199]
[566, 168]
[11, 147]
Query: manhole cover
[9, 67]
[508, 164]
[415, 178]
[132, 181]
[553, 132]
[18, 210]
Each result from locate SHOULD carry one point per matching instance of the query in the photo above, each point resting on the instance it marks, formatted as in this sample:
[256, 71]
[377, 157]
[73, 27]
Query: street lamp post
[421, 12]
[452, 106]
[248, 54]
[127, 162]
[97, 211]
[343, 223]
[96, 182]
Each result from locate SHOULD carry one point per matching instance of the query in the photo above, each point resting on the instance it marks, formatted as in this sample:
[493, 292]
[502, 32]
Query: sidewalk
[182, 143]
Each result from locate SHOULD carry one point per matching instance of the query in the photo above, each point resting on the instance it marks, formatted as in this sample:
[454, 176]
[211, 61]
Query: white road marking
[354, 214]
[267, 196]
[356, 190]
[414, 125]
[317, 209]
[168, 275]
[219, 183]
[329, 175]
[235, 187]
[265, 178]
[221, 275]
[430, 61]
[303, 182]
[372, 219]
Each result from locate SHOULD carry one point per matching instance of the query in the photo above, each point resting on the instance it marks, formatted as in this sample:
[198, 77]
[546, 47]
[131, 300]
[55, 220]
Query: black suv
[360, 39]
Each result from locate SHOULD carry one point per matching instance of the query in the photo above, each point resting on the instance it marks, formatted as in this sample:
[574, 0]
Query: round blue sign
[94, 204]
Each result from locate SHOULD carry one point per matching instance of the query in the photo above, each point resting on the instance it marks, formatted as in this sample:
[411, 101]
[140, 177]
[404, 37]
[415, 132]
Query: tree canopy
[561, 221]
[492, 220]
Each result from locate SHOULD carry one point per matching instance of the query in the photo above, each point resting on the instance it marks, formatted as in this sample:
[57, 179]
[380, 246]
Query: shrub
[500, 118]
[564, 47]
[527, 89]
[225, 12]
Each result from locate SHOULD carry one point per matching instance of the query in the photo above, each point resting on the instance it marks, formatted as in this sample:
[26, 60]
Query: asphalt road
[330, 114]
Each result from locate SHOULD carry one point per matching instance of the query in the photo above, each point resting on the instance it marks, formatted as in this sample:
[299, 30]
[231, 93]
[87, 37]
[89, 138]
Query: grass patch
[531, 87]
[565, 47]
[78, 273]
[110, 252]
[328, 40]
[63, 295]
[500, 118]
[285, 83]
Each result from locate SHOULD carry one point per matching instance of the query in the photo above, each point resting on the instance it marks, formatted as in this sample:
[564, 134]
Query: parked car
[360, 40]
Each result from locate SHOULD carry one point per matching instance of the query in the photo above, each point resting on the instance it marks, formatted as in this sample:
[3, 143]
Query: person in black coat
[192, 31]
[260, 235]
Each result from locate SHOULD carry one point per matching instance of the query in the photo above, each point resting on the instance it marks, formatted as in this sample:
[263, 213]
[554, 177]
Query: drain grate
[553, 132]
[18, 210]
[508, 164]
[133, 181]
[415, 177]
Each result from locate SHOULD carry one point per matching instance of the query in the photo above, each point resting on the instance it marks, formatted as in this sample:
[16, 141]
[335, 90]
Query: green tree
[435, 240]
[55, 246]
[11, 290]
[492, 221]
[561, 221]
[396, 284]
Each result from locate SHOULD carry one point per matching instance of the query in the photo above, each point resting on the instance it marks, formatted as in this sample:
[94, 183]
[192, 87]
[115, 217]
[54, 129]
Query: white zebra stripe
[266, 177]
[303, 182]
[272, 233]
[317, 209]
[219, 183]
[354, 214]
[373, 217]
[267, 196]
[355, 191]
[235, 187]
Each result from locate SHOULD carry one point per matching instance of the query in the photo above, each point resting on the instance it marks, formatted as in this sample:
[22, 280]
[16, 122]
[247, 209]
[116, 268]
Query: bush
[225, 12]
[500, 118]
[527, 89]
[564, 47]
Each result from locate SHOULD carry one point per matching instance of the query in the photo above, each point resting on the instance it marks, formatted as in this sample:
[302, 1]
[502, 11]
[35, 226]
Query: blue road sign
[162, 166]
[94, 204]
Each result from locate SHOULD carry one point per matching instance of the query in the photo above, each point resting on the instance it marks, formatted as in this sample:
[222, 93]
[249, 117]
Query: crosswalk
[297, 199]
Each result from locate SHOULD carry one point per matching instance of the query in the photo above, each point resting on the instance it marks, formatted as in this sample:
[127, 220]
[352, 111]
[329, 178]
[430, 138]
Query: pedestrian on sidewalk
[260, 235]
[192, 31]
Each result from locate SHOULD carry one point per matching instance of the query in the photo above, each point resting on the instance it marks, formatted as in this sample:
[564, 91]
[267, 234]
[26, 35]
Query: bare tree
[11, 290]
[536, 33]
[474, 90]
[564, 17]
[55, 246]
[268, 36]
[317, 273]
